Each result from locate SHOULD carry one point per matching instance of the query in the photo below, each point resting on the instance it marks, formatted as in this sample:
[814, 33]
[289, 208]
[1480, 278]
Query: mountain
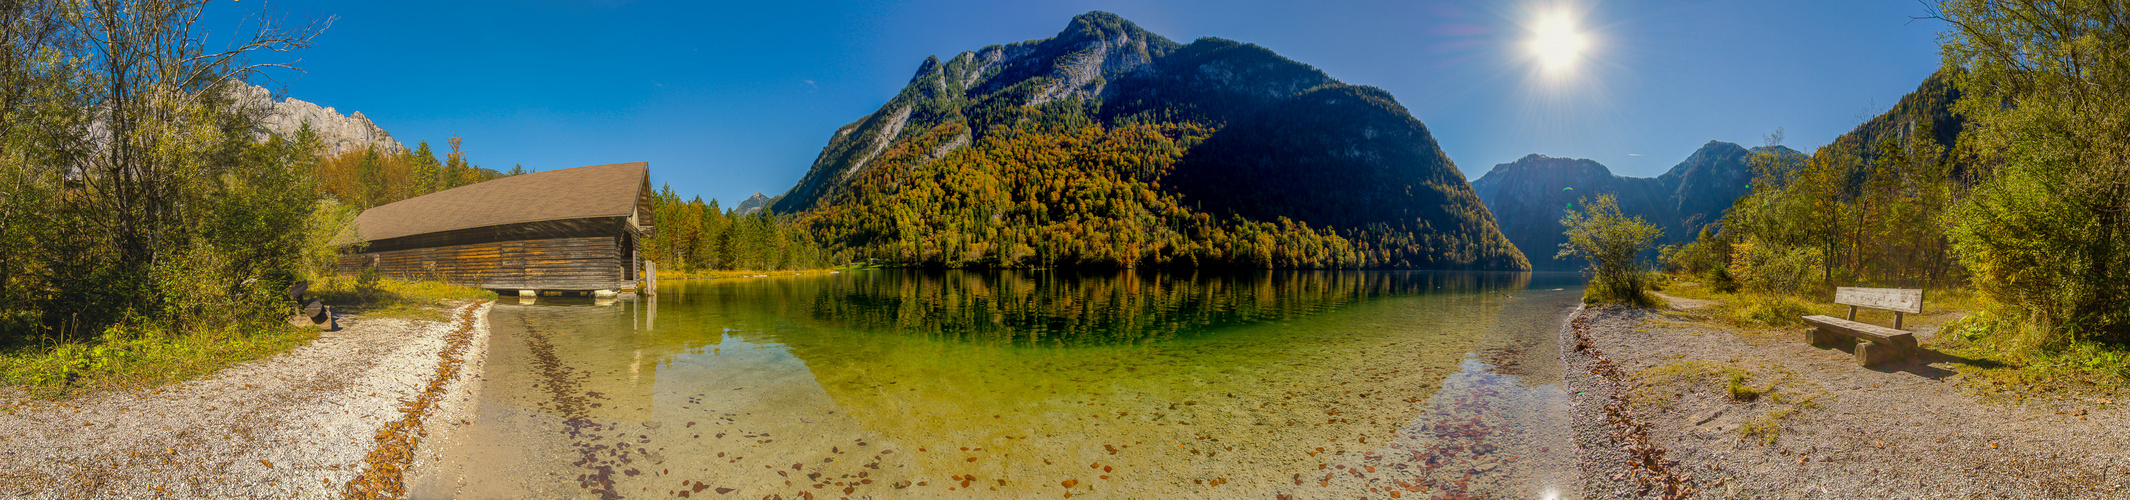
[1926, 112]
[753, 204]
[1529, 196]
[1108, 145]
[284, 117]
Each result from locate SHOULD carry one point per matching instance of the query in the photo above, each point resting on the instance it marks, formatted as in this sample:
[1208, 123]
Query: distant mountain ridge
[1529, 196]
[753, 204]
[1245, 138]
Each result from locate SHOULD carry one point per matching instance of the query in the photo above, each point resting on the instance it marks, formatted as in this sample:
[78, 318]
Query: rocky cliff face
[1077, 65]
[338, 133]
[1285, 142]
[1529, 196]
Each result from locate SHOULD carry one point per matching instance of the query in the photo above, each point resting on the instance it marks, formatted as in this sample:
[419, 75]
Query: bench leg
[1870, 353]
[1817, 337]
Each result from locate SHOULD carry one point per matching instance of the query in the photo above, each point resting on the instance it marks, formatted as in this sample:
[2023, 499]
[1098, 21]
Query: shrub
[368, 285]
[1610, 242]
[1770, 310]
[1762, 266]
[1720, 280]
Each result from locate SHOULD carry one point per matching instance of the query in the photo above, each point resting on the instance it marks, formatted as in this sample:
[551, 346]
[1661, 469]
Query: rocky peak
[337, 133]
[1098, 47]
[752, 204]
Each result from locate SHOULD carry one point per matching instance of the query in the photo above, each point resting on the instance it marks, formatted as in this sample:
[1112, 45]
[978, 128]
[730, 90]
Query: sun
[1556, 43]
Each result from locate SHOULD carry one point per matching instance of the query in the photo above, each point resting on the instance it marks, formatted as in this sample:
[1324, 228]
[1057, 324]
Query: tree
[153, 202]
[42, 116]
[1610, 242]
[2047, 87]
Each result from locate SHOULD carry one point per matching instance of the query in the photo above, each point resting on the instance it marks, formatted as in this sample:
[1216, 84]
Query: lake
[889, 384]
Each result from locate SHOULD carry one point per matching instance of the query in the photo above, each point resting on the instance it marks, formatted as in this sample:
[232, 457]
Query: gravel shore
[1820, 426]
[295, 425]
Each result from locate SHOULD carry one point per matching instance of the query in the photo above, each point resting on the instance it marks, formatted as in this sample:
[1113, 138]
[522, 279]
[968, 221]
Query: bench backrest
[1891, 299]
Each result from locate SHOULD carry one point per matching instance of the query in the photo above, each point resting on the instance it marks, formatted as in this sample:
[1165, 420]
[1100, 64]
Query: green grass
[140, 356]
[134, 357]
[391, 298]
[2005, 362]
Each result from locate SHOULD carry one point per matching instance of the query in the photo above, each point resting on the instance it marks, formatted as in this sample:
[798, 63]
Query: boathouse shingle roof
[614, 190]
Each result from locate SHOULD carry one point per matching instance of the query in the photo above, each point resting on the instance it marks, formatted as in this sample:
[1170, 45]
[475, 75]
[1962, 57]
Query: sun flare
[1556, 43]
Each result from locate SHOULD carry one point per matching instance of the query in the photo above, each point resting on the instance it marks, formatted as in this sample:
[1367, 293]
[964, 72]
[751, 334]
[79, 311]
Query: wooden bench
[1875, 344]
[313, 311]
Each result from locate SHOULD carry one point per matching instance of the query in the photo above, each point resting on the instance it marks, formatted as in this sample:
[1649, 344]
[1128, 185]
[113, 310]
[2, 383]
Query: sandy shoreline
[1906, 430]
[294, 425]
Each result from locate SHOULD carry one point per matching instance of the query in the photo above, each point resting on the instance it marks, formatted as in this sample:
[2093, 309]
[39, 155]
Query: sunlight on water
[892, 384]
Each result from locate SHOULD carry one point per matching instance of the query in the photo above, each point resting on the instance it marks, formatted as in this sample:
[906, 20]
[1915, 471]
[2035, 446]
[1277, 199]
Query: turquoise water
[891, 384]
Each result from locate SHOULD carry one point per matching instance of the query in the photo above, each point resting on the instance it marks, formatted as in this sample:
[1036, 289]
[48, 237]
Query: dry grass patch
[1777, 389]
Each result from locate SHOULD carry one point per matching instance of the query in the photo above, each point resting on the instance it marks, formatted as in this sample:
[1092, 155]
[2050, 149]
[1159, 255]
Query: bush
[1761, 266]
[368, 285]
[1769, 310]
[1720, 280]
[1610, 242]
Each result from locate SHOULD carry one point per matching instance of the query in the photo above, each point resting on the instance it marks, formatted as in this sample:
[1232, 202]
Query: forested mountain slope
[1109, 146]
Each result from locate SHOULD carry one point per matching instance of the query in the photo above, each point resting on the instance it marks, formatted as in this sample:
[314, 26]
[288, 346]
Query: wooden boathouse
[573, 230]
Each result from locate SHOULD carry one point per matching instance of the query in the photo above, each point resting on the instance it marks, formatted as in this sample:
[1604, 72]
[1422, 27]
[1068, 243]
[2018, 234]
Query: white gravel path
[1900, 430]
[294, 425]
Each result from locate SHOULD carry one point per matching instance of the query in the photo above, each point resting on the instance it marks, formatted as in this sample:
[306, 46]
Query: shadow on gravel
[1921, 364]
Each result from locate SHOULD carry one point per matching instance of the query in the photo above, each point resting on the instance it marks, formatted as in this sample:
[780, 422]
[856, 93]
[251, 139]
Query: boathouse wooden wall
[578, 229]
[582, 263]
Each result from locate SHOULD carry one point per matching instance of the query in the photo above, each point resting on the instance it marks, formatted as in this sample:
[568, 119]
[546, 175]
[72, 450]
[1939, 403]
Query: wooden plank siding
[580, 263]
[573, 229]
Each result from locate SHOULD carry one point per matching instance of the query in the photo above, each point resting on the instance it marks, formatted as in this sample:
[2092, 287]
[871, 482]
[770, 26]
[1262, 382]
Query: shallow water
[887, 384]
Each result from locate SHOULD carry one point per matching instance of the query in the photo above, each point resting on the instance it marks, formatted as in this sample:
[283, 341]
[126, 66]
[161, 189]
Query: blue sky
[729, 98]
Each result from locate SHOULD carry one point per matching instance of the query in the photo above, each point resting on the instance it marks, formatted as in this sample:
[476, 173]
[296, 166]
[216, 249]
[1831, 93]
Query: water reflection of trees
[1053, 308]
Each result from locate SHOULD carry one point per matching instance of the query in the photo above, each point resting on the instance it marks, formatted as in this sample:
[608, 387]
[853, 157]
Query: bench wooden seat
[1875, 344]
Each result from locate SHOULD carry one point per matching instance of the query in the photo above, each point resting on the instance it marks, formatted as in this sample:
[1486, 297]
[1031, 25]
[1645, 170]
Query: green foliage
[2046, 232]
[2015, 353]
[1769, 309]
[1707, 252]
[366, 177]
[139, 215]
[142, 356]
[1037, 196]
[376, 296]
[368, 285]
[694, 236]
[1610, 243]
[1864, 210]
[1721, 280]
[1767, 267]
[325, 232]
